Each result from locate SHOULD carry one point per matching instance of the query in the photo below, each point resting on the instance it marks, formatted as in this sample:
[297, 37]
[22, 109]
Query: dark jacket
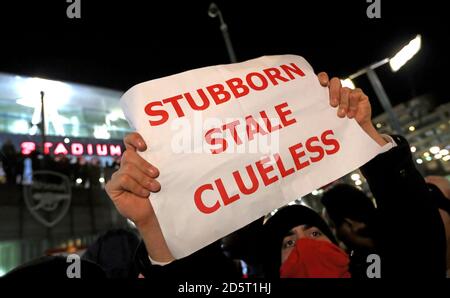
[208, 263]
[409, 233]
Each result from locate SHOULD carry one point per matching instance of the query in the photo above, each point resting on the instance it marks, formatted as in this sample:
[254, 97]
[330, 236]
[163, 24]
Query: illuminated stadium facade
[71, 110]
[55, 215]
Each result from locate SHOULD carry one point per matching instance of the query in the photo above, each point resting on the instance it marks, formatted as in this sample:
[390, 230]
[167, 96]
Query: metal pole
[213, 12]
[384, 100]
[372, 66]
[226, 37]
[42, 122]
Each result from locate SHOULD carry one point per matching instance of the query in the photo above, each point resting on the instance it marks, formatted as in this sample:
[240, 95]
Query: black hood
[277, 227]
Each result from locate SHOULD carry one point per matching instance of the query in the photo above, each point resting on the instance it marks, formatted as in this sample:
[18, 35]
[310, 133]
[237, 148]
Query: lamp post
[396, 62]
[42, 121]
[214, 12]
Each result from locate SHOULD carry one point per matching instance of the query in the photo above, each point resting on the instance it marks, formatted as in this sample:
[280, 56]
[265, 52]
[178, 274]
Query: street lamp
[214, 12]
[396, 62]
[406, 53]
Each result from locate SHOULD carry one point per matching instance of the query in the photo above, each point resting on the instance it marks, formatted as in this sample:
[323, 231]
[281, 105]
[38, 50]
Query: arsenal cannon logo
[48, 197]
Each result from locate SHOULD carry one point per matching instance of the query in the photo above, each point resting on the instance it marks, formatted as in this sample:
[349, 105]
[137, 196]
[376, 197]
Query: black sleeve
[208, 263]
[409, 232]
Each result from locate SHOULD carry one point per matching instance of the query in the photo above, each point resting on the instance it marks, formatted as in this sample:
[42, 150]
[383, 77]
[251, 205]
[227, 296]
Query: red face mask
[315, 259]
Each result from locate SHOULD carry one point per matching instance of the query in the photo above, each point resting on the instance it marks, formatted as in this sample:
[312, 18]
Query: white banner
[234, 142]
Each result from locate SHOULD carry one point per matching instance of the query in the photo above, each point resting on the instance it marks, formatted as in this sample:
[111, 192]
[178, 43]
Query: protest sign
[234, 142]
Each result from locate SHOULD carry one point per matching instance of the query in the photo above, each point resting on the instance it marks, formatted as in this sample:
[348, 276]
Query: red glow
[60, 149]
[47, 147]
[27, 147]
[115, 150]
[101, 150]
[90, 150]
[76, 149]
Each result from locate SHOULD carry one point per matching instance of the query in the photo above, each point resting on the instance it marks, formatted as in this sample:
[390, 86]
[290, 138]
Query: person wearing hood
[299, 244]
[357, 221]
[393, 179]
[353, 215]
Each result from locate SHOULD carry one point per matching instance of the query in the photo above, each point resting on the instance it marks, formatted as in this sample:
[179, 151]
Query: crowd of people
[16, 168]
[408, 229]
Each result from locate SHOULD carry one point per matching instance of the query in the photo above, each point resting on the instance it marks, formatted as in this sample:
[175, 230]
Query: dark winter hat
[114, 253]
[345, 201]
[278, 226]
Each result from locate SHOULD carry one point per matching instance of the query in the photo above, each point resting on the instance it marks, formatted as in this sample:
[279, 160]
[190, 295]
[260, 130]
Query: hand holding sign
[351, 103]
[314, 150]
[129, 189]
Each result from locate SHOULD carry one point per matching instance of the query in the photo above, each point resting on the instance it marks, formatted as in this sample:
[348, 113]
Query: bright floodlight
[347, 83]
[406, 53]
[57, 93]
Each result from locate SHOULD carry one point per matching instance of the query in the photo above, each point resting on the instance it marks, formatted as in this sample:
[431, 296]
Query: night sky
[117, 44]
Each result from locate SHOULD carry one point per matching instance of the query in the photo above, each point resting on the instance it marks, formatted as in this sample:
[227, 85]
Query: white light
[101, 180]
[101, 132]
[435, 150]
[426, 154]
[379, 125]
[114, 116]
[79, 180]
[445, 158]
[443, 152]
[2, 272]
[66, 140]
[412, 128]
[413, 149]
[36, 118]
[358, 182]
[315, 192]
[58, 93]
[419, 161]
[291, 203]
[20, 126]
[355, 177]
[437, 156]
[347, 83]
[33, 130]
[406, 53]
[428, 158]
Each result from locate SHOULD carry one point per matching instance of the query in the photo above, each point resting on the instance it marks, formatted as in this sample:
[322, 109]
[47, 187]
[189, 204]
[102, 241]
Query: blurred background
[61, 79]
